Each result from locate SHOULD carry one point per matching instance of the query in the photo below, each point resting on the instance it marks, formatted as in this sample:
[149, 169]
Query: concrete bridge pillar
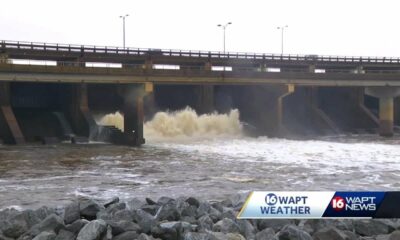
[263, 67]
[386, 96]
[134, 113]
[267, 104]
[360, 70]
[204, 99]
[311, 68]
[148, 64]
[3, 58]
[286, 91]
[10, 131]
[81, 118]
[208, 66]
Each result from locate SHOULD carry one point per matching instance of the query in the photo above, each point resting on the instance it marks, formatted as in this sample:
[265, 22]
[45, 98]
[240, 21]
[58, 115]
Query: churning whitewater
[185, 125]
[186, 154]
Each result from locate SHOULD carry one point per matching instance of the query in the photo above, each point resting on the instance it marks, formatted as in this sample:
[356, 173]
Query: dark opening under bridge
[262, 82]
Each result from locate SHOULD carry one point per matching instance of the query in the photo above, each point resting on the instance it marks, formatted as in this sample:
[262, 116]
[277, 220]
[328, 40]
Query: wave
[185, 124]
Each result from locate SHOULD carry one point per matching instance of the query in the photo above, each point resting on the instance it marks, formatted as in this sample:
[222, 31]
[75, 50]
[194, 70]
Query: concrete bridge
[50, 91]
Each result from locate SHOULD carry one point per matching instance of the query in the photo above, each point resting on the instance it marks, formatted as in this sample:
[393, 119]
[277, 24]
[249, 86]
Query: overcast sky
[336, 27]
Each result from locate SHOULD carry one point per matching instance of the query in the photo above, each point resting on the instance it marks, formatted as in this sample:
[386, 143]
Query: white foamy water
[205, 156]
[184, 125]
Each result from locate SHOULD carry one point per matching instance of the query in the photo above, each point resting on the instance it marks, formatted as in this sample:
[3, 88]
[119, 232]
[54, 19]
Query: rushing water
[204, 158]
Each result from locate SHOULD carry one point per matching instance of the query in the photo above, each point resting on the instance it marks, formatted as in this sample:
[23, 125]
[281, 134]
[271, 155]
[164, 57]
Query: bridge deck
[192, 75]
[65, 52]
[70, 64]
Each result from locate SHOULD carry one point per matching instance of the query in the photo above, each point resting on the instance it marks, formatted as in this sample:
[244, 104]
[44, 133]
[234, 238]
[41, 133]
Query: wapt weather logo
[285, 204]
[321, 205]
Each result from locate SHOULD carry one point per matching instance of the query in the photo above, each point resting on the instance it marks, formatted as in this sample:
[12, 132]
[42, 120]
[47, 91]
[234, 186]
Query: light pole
[224, 29]
[282, 29]
[123, 22]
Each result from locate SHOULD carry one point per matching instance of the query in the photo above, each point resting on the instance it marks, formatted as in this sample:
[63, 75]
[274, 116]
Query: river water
[185, 154]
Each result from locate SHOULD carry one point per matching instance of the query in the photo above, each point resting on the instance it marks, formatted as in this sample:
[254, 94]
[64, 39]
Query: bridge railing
[115, 68]
[73, 48]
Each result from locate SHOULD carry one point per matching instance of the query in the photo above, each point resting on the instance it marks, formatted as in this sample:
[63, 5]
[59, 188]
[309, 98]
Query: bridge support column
[396, 106]
[386, 108]
[386, 116]
[81, 118]
[319, 117]
[286, 91]
[3, 58]
[10, 131]
[205, 99]
[134, 114]
[148, 64]
[274, 116]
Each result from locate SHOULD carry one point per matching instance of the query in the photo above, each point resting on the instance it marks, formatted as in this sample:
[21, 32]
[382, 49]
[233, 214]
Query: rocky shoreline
[184, 218]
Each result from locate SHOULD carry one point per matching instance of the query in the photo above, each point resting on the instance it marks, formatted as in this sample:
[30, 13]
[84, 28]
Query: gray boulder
[395, 235]
[330, 233]
[276, 224]
[72, 212]
[89, 209]
[228, 213]
[205, 223]
[15, 227]
[76, 226]
[292, 232]
[52, 223]
[203, 208]
[226, 236]
[226, 225]
[144, 219]
[135, 204]
[108, 213]
[178, 225]
[193, 202]
[108, 235]
[246, 229]
[45, 236]
[15, 223]
[65, 235]
[152, 209]
[172, 230]
[125, 214]
[126, 236]
[93, 230]
[2, 237]
[267, 233]
[168, 212]
[44, 212]
[165, 200]
[215, 214]
[190, 211]
[111, 202]
[143, 236]
[188, 219]
[123, 226]
[198, 236]
[371, 227]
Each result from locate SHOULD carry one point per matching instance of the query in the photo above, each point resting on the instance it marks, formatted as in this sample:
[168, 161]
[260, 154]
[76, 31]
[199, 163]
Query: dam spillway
[50, 92]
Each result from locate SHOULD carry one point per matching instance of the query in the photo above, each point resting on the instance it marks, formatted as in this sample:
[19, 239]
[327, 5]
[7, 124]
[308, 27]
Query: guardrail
[73, 48]
[112, 67]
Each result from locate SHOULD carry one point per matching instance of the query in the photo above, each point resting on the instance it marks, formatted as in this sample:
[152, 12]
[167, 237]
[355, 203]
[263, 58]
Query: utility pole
[282, 29]
[123, 27]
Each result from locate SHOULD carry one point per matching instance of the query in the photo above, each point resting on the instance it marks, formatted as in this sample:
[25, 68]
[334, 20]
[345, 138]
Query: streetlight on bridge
[224, 29]
[123, 26]
[282, 28]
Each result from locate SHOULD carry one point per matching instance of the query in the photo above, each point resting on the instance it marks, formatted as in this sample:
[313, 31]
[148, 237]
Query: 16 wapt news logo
[324, 204]
[354, 203]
